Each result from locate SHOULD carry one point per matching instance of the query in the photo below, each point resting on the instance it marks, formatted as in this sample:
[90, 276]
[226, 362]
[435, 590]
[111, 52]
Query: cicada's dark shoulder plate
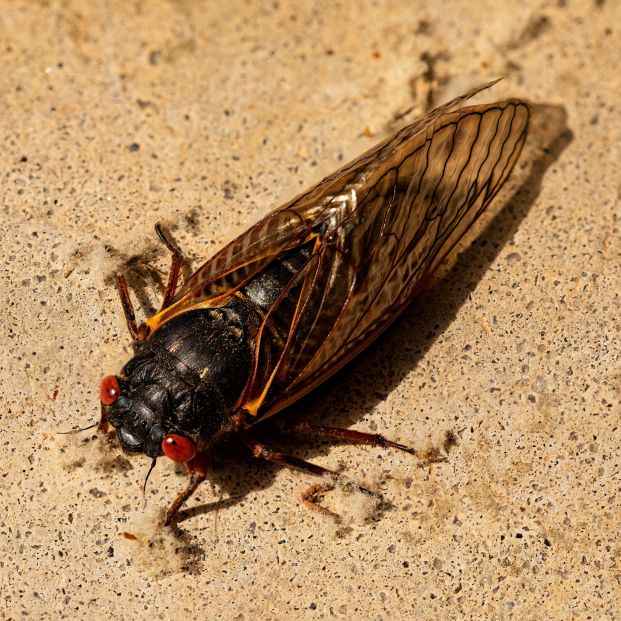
[377, 228]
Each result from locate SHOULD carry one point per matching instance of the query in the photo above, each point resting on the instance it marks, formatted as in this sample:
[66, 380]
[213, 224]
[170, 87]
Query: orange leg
[198, 468]
[140, 333]
[361, 437]
[310, 496]
[349, 435]
[175, 268]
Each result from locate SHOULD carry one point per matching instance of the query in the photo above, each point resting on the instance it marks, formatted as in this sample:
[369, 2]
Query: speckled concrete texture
[116, 115]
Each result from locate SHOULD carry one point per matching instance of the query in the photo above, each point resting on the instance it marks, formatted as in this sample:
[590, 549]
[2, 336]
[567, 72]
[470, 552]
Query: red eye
[178, 448]
[109, 390]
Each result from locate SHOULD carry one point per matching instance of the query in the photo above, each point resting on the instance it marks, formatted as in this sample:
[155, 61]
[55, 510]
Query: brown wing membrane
[286, 227]
[380, 225]
[237, 262]
[410, 209]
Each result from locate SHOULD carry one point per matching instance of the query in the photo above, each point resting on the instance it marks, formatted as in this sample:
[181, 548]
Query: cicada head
[156, 414]
[175, 395]
[137, 412]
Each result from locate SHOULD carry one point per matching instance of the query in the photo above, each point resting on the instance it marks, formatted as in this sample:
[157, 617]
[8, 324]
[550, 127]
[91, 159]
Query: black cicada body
[299, 294]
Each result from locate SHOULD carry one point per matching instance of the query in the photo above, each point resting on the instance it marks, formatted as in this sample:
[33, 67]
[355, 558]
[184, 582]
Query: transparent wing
[379, 226]
[407, 211]
[288, 226]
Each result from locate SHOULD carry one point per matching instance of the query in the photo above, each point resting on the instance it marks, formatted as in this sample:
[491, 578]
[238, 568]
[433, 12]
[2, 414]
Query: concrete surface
[116, 115]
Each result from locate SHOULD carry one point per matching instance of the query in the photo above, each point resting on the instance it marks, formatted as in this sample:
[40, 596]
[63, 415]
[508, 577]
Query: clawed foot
[433, 456]
[311, 497]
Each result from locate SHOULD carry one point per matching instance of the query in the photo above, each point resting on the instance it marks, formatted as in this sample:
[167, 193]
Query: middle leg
[309, 497]
[361, 437]
[349, 435]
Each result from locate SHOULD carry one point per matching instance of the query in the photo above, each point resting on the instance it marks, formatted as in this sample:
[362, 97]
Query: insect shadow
[419, 326]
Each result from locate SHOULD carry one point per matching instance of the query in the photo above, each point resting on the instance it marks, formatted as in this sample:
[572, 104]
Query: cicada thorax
[191, 374]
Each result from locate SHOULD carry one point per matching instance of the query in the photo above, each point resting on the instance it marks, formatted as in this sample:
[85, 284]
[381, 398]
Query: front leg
[141, 332]
[197, 467]
[175, 267]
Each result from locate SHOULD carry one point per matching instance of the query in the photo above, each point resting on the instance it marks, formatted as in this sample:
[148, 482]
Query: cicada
[286, 304]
